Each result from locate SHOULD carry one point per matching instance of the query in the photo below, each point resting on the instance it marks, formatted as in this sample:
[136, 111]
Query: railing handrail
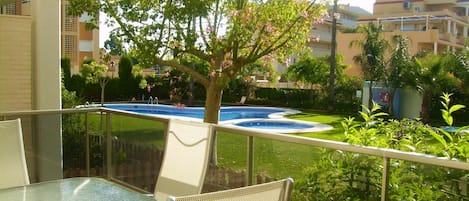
[374, 151]
[49, 111]
[316, 142]
[384, 153]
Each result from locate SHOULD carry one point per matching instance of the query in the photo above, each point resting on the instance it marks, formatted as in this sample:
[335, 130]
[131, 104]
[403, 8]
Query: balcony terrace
[127, 149]
[437, 2]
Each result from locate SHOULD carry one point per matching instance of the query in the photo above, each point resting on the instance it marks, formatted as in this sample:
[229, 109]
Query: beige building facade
[431, 25]
[347, 19]
[77, 41]
[30, 52]
[15, 62]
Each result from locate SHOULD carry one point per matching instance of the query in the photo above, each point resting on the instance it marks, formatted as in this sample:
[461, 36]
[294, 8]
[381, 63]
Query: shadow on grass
[334, 120]
[142, 136]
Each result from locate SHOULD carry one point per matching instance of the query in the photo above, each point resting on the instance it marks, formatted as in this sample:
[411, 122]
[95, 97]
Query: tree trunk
[391, 102]
[102, 96]
[102, 84]
[370, 92]
[331, 92]
[425, 113]
[212, 103]
[212, 113]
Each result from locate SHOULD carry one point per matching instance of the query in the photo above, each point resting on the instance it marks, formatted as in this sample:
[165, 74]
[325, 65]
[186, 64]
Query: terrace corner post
[46, 89]
[385, 179]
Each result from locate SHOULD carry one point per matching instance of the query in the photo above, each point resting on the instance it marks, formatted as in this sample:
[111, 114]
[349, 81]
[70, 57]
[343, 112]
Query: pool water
[273, 125]
[226, 113]
[257, 118]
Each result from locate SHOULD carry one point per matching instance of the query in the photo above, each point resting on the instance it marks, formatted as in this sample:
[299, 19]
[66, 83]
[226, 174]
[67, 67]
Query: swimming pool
[242, 116]
[282, 125]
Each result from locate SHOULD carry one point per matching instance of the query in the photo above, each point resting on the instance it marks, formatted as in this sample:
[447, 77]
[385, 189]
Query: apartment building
[347, 19]
[77, 42]
[431, 25]
[30, 79]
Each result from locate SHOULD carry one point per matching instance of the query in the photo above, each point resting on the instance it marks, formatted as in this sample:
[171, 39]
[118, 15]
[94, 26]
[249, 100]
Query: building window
[408, 27]
[70, 23]
[10, 9]
[418, 9]
[70, 49]
[85, 46]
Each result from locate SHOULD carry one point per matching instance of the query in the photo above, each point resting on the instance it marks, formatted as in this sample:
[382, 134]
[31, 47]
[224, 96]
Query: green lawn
[334, 120]
[277, 159]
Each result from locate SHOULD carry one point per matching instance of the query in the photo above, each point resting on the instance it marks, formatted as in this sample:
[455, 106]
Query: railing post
[250, 161]
[385, 180]
[87, 144]
[108, 146]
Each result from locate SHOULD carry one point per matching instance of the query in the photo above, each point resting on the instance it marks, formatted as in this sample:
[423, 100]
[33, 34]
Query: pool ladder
[153, 101]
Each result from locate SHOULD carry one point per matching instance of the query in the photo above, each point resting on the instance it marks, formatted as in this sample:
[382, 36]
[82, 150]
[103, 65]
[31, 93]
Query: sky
[365, 4]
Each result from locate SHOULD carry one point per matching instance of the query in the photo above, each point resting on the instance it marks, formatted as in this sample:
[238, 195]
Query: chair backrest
[273, 191]
[185, 159]
[13, 169]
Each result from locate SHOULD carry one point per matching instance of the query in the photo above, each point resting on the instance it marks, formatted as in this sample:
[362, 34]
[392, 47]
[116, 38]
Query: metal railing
[385, 154]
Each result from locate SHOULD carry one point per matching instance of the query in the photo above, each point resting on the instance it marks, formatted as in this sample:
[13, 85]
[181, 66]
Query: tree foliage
[125, 67]
[226, 34]
[314, 70]
[66, 66]
[114, 45]
[432, 78]
[371, 59]
[310, 71]
[400, 70]
[95, 73]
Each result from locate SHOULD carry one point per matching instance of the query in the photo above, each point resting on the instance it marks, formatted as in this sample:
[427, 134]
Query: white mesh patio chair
[13, 169]
[185, 159]
[273, 191]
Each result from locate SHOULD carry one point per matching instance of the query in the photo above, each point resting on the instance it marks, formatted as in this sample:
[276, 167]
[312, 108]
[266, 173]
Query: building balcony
[461, 40]
[435, 2]
[448, 37]
[127, 148]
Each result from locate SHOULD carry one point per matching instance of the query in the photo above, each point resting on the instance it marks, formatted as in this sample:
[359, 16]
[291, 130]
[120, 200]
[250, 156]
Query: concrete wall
[30, 79]
[409, 101]
[16, 77]
[418, 40]
[15, 63]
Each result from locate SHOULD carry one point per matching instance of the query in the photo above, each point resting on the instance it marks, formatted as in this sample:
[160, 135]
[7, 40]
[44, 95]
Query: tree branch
[196, 75]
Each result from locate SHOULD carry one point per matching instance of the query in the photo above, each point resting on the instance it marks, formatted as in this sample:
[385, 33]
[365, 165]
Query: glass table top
[73, 189]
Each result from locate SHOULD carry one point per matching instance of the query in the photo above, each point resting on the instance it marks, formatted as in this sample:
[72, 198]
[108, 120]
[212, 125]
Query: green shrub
[339, 175]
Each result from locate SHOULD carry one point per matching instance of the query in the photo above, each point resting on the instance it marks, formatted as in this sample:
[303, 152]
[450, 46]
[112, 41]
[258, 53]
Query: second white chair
[185, 159]
[272, 191]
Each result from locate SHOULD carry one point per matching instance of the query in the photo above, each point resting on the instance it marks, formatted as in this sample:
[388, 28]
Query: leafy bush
[339, 175]
[73, 136]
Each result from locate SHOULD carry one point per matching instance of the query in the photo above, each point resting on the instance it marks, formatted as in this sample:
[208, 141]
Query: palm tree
[332, 59]
[371, 59]
[432, 79]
